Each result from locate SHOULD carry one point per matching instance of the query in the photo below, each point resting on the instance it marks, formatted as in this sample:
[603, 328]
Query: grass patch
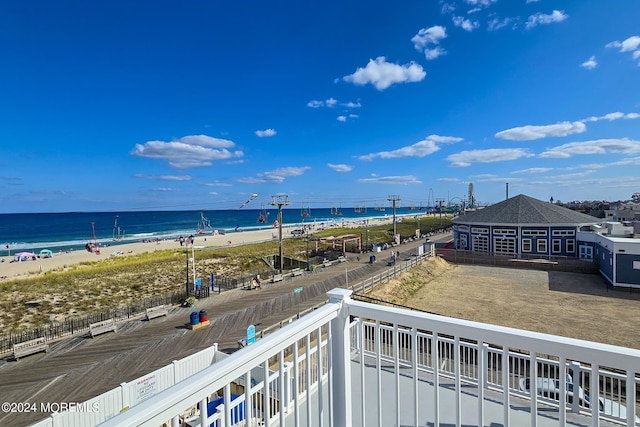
[97, 285]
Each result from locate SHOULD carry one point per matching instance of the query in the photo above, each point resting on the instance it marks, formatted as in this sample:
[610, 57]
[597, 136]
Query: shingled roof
[525, 210]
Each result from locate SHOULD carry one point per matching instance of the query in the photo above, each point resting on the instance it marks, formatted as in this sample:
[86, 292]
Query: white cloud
[497, 23]
[351, 104]
[499, 179]
[427, 146]
[188, 151]
[330, 102]
[341, 118]
[529, 132]
[613, 116]
[532, 170]
[590, 63]
[466, 158]
[448, 8]
[353, 116]
[465, 24]
[399, 180]
[383, 74]
[315, 104]
[542, 19]
[164, 177]
[434, 53]
[484, 3]
[428, 39]
[532, 1]
[628, 45]
[277, 175]
[266, 133]
[598, 146]
[631, 44]
[218, 184]
[340, 168]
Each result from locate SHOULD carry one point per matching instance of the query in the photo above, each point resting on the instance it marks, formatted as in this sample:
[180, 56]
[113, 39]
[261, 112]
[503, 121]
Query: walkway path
[79, 368]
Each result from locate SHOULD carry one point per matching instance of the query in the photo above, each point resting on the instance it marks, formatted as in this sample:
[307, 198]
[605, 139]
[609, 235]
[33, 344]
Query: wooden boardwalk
[79, 368]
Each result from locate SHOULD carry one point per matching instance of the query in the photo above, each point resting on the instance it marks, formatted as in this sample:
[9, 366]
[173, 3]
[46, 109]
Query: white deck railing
[352, 363]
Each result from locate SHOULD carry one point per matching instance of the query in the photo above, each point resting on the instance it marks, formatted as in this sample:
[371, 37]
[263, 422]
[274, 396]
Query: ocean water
[72, 230]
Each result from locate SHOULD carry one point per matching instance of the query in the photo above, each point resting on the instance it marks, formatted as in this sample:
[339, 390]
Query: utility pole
[393, 200]
[188, 241]
[440, 203]
[280, 201]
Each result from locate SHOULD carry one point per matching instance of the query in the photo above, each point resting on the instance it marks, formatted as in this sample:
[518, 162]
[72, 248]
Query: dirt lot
[568, 304]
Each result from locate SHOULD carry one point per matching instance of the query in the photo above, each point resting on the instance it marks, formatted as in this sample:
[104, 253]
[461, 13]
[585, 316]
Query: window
[479, 230]
[463, 241]
[563, 233]
[526, 245]
[636, 265]
[571, 246]
[542, 246]
[586, 252]
[505, 231]
[504, 246]
[556, 246]
[480, 244]
[534, 232]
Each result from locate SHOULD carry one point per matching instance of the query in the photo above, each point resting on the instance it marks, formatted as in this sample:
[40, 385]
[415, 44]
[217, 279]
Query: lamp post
[307, 235]
[280, 201]
[186, 251]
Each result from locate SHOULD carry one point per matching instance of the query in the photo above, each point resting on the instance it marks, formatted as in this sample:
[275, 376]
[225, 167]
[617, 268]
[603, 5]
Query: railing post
[341, 359]
[575, 383]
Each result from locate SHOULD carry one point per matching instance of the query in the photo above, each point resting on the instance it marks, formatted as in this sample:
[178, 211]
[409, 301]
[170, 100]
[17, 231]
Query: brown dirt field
[568, 304]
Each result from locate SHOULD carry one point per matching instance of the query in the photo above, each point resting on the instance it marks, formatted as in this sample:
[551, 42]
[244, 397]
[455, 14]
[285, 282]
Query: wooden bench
[296, 272]
[342, 258]
[157, 311]
[277, 278]
[102, 327]
[30, 347]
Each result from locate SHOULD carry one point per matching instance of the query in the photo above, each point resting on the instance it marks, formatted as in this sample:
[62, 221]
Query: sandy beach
[12, 270]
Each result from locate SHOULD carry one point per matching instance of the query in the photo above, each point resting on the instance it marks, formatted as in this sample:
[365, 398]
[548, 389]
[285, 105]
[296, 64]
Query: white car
[550, 388]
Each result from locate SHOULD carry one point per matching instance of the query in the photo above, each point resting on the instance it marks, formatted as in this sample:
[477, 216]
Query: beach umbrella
[23, 256]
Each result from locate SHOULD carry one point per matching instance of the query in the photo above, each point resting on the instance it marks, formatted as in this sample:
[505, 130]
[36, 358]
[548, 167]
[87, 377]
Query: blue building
[616, 252]
[524, 227]
[521, 226]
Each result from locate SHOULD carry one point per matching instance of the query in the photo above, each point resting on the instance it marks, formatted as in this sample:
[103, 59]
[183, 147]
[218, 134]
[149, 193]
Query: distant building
[523, 227]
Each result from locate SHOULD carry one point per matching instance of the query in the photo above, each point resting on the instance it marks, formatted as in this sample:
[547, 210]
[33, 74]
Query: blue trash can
[195, 318]
[372, 259]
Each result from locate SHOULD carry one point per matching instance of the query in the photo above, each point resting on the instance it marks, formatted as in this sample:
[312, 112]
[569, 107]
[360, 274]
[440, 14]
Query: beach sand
[13, 270]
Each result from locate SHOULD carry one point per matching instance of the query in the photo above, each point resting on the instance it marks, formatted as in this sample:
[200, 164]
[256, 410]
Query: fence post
[341, 358]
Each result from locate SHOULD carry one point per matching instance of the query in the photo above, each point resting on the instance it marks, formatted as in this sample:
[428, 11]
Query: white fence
[130, 394]
[395, 367]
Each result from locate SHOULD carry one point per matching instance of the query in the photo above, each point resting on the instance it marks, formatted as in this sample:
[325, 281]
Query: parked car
[550, 388]
[297, 232]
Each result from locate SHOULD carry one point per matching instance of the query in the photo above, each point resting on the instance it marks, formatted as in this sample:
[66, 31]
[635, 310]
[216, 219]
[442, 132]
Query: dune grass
[92, 286]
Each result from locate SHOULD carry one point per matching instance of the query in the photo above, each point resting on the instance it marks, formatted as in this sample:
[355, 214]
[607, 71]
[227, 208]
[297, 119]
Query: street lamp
[186, 251]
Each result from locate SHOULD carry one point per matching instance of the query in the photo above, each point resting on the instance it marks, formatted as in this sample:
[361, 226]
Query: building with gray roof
[524, 227]
[521, 225]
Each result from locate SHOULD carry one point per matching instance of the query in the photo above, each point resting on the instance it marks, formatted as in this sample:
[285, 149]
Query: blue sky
[109, 105]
